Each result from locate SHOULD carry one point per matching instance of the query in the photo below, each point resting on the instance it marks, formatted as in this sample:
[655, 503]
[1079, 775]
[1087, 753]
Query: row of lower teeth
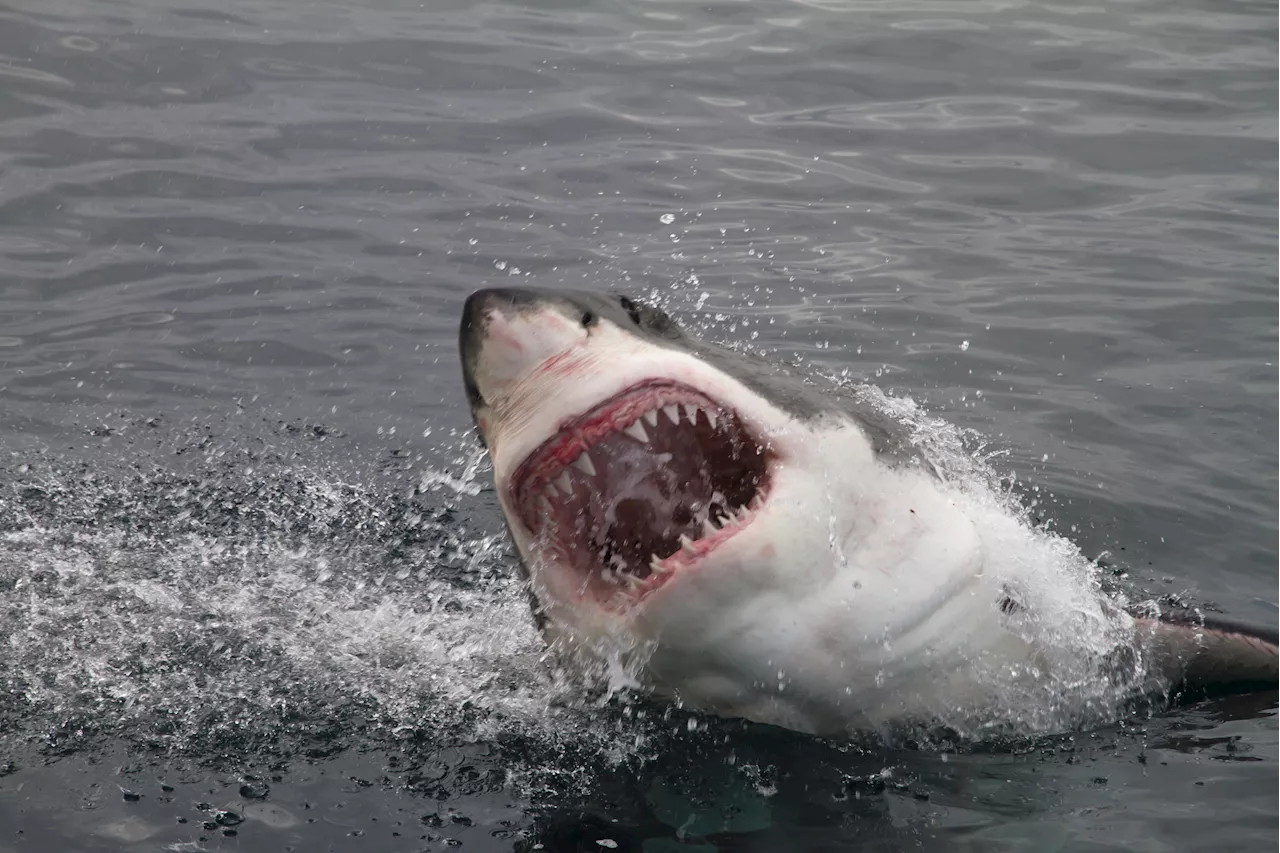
[732, 518]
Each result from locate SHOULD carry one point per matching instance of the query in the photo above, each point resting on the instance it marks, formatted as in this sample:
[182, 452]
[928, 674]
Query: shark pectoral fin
[1212, 654]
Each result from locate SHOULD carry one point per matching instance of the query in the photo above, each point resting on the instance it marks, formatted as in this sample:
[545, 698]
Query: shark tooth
[656, 565]
[687, 544]
[712, 417]
[708, 529]
[583, 464]
[673, 412]
[692, 412]
[636, 431]
[651, 417]
[565, 484]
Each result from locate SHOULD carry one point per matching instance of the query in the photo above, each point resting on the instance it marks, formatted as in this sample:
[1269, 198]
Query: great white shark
[716, 529]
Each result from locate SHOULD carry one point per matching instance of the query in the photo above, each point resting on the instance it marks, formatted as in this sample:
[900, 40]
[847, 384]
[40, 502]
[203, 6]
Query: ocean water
[254, 587]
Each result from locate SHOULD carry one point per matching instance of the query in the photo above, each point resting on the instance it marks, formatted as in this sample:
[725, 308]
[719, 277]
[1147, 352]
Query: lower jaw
[625, 591]
[594, 588]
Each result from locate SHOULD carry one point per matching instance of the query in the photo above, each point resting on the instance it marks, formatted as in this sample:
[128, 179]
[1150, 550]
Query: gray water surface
[255, 590]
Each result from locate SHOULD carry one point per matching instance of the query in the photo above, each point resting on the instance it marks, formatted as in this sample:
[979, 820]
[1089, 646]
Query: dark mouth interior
[643, 489]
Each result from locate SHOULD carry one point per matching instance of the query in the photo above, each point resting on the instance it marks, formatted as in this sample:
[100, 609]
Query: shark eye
[631, 309]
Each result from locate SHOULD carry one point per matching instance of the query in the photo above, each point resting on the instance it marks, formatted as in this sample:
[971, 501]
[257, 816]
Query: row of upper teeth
[675, 413]
[563, 483]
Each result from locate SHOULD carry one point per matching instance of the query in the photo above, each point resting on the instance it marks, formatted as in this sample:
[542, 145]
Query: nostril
[589, 319]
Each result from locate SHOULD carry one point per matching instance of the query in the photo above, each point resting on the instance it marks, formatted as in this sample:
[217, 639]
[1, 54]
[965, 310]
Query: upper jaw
[548, 398]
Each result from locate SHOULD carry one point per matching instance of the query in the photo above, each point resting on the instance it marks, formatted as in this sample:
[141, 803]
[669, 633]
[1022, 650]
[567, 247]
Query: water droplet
[964, 346]
[666, 219]
[255, 790]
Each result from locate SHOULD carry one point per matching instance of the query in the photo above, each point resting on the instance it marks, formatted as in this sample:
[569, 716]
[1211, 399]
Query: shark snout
[508, 333]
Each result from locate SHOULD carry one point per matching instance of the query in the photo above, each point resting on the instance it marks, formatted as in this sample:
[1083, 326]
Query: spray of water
[234, 604]
[1089, 666]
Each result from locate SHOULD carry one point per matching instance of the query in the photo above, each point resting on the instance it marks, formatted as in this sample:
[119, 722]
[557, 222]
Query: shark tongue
[674, 469]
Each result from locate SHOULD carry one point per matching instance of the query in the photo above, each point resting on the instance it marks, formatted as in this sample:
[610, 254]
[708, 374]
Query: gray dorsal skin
[1211, 654]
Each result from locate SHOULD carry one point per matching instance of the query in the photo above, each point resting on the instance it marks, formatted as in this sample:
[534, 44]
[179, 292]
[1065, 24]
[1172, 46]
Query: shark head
[747, 533]
[624, 457]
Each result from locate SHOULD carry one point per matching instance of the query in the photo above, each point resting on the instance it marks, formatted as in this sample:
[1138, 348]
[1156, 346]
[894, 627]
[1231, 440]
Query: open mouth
[648, 482]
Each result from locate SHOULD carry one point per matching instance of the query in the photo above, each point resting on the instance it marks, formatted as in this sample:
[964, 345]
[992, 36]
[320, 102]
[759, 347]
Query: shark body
[755, 545]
